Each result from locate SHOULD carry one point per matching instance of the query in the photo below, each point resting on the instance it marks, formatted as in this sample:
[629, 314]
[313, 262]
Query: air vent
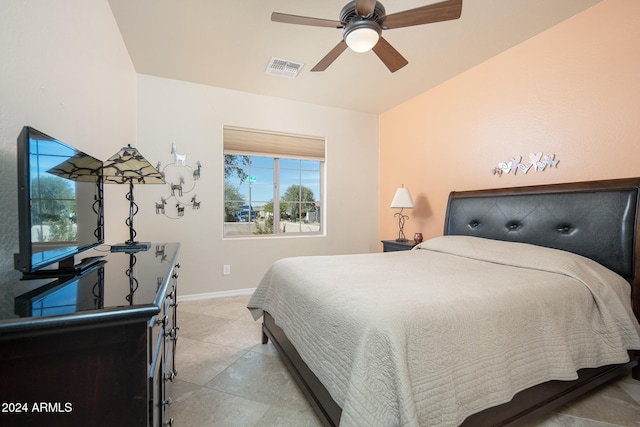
[283, 67]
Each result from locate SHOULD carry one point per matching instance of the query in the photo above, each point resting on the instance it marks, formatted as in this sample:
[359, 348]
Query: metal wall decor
[181, 179]
[537, 161]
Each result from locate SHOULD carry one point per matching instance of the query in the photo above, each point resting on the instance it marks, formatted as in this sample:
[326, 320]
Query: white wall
[192, 116]
[64, 70]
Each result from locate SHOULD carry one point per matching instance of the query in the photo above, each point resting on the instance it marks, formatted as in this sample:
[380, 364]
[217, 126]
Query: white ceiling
[229, 43]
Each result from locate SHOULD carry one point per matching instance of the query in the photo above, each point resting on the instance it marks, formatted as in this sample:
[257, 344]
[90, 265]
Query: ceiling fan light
[362, 39]
[362, 35]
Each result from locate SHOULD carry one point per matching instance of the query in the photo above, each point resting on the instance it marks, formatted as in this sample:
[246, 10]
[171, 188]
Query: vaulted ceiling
[229, 43]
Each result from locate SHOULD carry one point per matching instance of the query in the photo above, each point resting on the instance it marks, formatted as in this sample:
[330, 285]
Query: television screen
[60, 204]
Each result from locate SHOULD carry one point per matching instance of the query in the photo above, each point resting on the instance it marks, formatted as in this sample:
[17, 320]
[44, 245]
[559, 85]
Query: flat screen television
[60, 203]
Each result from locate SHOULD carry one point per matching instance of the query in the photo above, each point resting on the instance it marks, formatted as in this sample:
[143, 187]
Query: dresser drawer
[163, 336]
[155, 387]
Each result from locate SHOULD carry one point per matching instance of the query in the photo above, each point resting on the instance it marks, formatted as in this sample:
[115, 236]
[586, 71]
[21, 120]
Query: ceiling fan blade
[389, 55]
[330, 57]
[365, 7]
[304, 20]
[443, 11]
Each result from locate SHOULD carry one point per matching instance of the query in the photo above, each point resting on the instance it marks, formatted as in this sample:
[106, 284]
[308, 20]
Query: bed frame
[596, 219]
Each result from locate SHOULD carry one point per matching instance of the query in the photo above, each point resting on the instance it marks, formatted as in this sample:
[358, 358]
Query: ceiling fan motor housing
[349, 14]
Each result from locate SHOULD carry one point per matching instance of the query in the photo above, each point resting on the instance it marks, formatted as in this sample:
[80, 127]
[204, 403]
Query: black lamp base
[131, 247]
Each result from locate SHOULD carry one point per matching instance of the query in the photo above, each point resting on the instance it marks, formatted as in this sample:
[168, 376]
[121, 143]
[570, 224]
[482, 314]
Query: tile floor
[226, 377]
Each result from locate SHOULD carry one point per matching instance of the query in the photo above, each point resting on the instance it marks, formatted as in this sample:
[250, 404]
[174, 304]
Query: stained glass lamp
[128, 166]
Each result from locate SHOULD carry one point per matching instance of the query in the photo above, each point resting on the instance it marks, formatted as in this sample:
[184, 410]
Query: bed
[528, 300]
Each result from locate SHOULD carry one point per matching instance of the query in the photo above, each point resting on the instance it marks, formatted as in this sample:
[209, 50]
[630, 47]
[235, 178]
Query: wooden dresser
[97, 349]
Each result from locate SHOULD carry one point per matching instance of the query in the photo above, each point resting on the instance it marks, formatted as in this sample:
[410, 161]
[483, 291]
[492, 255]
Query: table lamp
[402, 200]
[128, 166]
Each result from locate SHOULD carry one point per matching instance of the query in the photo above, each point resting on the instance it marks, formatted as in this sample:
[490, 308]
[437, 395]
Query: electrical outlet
[226, 269]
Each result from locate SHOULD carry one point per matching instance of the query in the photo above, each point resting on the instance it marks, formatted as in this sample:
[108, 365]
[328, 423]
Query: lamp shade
[128, 165]
[402, 199]
[362, 36]
[362, 39]
[79, 167]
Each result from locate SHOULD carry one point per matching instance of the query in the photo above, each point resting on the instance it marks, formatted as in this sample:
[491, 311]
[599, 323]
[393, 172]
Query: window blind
[272, 144]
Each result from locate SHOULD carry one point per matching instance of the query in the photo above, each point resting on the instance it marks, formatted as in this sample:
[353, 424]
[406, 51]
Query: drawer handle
[162, 321]
[170, 376]
[169, 422]
[167, 402]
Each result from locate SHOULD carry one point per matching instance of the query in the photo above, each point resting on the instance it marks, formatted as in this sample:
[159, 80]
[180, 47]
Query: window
[272, 183]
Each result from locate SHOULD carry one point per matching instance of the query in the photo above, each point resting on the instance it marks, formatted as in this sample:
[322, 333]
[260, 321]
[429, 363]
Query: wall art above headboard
[537, 161]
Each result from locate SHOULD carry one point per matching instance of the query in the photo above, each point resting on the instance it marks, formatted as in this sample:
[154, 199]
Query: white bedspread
[430, 336]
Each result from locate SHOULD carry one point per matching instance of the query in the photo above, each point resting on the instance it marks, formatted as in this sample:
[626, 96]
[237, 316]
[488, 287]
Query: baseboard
[220, 294]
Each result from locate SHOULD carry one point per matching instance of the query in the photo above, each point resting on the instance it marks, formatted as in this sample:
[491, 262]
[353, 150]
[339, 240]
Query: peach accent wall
[573, 91]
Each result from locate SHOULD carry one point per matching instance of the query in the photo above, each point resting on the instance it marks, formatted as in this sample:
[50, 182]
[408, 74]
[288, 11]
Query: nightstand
[393, 246]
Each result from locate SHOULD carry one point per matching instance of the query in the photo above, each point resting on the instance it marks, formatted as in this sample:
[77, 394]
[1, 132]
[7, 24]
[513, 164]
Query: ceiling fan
[363, 22]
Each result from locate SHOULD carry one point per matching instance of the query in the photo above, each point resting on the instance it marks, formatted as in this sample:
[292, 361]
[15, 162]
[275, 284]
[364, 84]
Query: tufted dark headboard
[596, 219]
